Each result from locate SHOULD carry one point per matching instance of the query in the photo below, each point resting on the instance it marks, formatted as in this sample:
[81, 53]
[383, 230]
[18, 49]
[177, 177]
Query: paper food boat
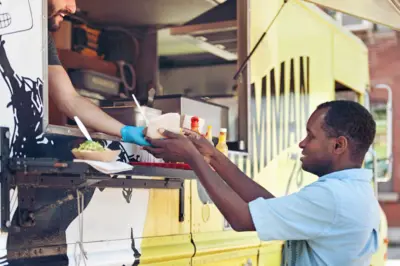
[102, 156]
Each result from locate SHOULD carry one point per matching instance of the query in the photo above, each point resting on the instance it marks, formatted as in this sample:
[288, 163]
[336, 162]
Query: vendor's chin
[54, 23]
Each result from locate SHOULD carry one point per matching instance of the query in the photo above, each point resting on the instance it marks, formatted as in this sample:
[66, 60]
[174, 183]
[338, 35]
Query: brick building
[384, 62]
[384, 56]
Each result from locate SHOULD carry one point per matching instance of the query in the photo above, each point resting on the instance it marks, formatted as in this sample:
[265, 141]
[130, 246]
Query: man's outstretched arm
[231, 205]
[64, 95]
[244, 186]
[247, 188]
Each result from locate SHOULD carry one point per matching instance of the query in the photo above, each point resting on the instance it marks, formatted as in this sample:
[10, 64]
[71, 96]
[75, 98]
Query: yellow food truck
[256, 67]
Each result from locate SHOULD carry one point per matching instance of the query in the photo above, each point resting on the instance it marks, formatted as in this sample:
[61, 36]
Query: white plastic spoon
[82, 128]
[140, 109]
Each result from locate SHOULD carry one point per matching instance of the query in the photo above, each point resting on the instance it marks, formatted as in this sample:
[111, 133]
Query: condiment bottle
[195, 124]
[222, 146]
[209, 136]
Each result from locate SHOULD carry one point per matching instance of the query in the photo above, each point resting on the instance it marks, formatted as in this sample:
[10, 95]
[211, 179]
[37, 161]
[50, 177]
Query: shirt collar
[350, 174]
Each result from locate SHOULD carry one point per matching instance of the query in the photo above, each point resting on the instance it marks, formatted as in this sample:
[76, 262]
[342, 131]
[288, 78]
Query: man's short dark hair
[353, 121]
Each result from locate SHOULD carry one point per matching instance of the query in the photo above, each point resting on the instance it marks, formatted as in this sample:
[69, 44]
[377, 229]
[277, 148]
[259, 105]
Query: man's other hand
[173, 148]
[134, 135]
[201, 143]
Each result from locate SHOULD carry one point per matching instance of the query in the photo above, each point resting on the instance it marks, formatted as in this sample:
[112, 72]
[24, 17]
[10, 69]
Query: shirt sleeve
[300, 216]
[52, 52]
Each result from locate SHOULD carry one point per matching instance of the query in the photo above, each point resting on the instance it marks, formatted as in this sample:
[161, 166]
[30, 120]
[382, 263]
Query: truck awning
[386, 12]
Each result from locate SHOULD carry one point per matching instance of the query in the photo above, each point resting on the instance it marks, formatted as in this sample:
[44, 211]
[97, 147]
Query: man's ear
[341, 145]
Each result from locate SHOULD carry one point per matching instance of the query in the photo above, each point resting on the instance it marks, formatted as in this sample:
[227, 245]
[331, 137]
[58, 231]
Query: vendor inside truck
[64, 95]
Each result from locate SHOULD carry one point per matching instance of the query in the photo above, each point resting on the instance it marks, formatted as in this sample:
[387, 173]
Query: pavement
[393, 256]
[394, 247]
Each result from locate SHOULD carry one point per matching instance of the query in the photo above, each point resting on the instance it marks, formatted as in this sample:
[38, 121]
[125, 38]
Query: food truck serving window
[188, 67]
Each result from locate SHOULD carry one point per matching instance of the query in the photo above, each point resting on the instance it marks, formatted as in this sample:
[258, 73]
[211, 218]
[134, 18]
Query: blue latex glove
[134, 135]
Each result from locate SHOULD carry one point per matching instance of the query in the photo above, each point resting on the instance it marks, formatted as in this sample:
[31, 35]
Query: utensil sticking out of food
[140, 109]
[92, 150]
[82, 128]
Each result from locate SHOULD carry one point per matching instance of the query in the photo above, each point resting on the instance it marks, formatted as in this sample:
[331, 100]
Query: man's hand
[178, 148]
[174, 148]
[134, 135]
[201, 143]
[229, 172]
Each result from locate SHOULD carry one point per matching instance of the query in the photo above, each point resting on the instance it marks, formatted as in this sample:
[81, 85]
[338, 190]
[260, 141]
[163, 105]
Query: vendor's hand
[174, 148]
[134, 135]
[201, 143]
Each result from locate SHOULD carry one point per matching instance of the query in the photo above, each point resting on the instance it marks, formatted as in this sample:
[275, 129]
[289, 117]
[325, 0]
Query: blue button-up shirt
[333, 221]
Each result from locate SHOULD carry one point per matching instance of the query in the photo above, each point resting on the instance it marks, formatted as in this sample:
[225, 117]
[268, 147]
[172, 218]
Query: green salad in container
[90, 145]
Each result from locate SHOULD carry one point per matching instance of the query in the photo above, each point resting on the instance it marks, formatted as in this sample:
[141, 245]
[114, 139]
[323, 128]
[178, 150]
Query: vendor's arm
[64, 95]
[71, 103]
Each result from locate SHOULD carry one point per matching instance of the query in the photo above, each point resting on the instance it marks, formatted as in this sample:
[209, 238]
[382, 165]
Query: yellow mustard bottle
[222, 146]
[209, 136]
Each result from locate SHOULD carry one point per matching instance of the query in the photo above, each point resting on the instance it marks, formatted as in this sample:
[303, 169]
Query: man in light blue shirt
[333, 221]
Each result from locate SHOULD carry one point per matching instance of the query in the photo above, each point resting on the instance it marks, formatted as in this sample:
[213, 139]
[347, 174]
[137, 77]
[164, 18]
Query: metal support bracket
[5, 178]
[182, 203]
[30, 173]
